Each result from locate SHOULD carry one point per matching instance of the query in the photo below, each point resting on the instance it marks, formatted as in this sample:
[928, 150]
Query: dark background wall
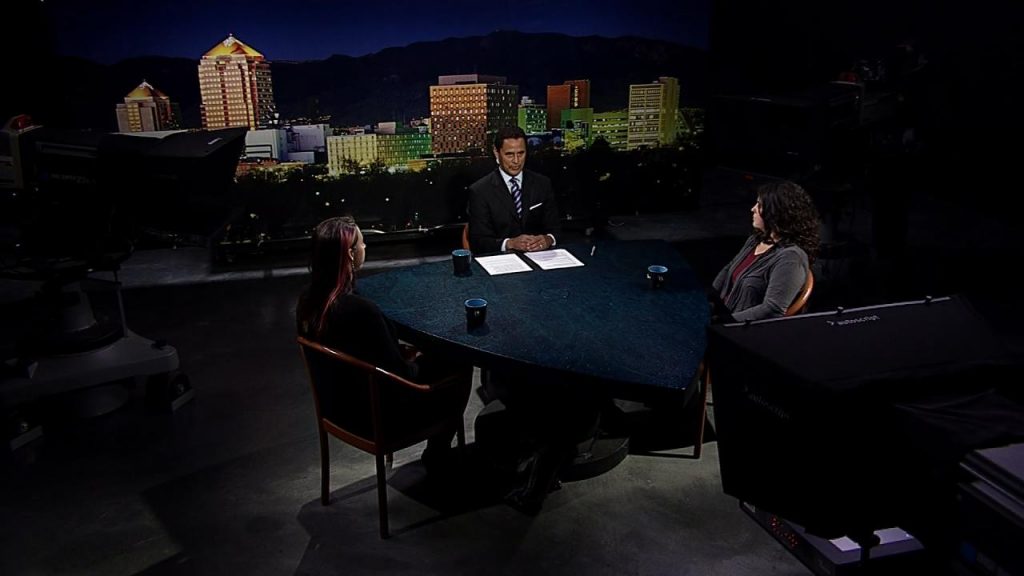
[964, 104]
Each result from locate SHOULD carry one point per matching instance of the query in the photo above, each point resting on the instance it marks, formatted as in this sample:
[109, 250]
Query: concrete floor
[230, 482]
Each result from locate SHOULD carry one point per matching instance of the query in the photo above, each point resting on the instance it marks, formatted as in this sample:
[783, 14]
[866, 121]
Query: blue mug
[476, 312]
[656, 274]
[460, 262]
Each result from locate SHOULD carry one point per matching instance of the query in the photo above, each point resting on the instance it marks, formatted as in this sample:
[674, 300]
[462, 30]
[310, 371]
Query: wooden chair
[800, 302]
[377, 412]
[465, 236]
[799, 305]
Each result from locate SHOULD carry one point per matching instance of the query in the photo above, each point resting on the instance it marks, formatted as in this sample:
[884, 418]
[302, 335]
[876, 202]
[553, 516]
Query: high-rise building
[466, 108]
[652, 113]
[612, 126]
[533, 117]
[146, 109]
[569, 94]
[235, 87]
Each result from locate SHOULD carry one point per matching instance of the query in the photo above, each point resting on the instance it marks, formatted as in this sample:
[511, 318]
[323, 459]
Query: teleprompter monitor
[839, 420]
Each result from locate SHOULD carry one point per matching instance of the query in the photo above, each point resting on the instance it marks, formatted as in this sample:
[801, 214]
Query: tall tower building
[652, 113]
[235, 87]
[465, 108]
[569, 94]
[146, 109]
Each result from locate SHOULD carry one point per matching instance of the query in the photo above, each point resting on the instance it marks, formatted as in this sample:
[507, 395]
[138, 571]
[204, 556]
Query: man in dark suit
[512, 208]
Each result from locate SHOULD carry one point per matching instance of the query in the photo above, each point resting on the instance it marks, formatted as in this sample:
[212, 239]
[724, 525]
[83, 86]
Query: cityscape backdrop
[392, 85]
[938, 77]
[328, 131]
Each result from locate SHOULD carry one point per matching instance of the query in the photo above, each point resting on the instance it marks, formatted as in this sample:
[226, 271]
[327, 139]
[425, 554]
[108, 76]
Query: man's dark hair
[508, 133]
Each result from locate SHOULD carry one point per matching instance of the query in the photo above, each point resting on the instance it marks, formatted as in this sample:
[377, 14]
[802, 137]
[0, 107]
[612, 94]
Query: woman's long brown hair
[331, 267]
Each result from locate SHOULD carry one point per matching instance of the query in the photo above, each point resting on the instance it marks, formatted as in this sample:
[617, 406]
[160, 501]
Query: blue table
[599, 325]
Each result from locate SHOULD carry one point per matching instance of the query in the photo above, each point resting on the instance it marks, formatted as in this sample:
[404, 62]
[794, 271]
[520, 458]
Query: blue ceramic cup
[657, 274]
[460, 262]
[476, 312]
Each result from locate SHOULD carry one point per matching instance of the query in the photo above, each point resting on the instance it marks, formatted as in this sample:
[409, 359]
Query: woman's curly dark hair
[789, 213]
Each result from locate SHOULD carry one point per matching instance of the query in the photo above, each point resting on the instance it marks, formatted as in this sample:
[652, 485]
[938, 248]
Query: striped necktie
[517, 196]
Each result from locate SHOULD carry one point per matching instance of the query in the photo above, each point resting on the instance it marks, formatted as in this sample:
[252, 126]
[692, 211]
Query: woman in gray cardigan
[764, 278]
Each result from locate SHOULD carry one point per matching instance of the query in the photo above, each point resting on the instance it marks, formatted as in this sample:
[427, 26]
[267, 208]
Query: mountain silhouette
[393, 84]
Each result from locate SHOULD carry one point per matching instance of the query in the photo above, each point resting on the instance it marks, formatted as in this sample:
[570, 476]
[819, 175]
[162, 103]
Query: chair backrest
[359, 402]
[465, 236]
[378, 412]
[345, 392]
[800, 302]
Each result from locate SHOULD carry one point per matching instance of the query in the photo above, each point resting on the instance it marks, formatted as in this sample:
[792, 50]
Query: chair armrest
[377, 371]
[447, 381]
[441, 384]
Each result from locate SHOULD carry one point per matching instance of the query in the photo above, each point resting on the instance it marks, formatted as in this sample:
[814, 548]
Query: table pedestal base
[595, 457]
[497, 434]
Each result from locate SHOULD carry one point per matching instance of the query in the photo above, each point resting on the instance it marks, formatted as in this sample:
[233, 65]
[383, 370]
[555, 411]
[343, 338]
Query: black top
[357, 327]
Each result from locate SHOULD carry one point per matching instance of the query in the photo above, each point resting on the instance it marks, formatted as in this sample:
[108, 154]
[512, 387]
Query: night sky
[107, 31]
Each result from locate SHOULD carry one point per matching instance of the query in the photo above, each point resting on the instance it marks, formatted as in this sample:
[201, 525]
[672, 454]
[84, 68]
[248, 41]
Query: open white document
[503, 264]
[557, 258]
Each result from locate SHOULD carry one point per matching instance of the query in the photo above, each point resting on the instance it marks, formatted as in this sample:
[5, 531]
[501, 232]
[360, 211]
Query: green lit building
[533, 117]
[397, 150]
[575, 124]
[612, 126]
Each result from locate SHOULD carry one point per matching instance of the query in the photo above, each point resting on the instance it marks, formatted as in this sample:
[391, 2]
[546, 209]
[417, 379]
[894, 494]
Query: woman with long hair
[764, 278]
[330, 312]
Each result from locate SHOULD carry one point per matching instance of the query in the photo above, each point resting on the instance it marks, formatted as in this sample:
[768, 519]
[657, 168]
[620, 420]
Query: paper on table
[502, 264]
[557, 258]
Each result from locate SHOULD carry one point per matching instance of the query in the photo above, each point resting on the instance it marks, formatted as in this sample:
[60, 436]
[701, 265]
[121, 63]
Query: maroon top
[742, 266]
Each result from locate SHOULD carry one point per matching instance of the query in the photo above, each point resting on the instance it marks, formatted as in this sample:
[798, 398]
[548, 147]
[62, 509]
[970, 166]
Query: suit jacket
[492, 212]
